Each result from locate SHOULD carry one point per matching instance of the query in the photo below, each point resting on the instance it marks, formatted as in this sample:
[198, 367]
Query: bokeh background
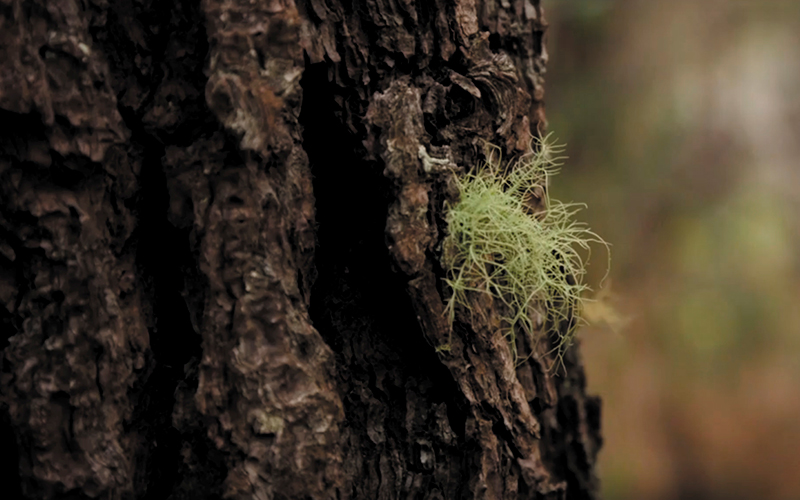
[682, 124]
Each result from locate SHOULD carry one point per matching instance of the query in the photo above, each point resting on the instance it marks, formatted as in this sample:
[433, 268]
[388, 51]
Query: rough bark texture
[219, 274]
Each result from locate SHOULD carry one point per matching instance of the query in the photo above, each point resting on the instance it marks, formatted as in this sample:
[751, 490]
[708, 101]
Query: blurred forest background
[682, 124]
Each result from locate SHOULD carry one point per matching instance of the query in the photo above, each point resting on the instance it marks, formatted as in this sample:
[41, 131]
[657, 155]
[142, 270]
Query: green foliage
[526, 260]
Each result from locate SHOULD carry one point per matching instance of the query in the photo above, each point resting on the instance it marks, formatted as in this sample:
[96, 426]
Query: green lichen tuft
[499, 244]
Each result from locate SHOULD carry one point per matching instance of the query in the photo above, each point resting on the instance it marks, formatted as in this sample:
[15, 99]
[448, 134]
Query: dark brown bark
[219, 277]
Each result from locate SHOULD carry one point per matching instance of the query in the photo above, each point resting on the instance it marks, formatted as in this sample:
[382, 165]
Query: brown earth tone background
[682, 121]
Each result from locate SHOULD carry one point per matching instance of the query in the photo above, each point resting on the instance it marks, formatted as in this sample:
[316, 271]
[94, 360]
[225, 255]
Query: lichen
[526, 259]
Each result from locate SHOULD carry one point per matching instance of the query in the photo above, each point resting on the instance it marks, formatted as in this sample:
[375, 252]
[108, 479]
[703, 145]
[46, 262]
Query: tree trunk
[219, 254]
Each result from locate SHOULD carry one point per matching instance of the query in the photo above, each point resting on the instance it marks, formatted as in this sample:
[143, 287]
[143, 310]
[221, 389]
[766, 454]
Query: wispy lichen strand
[498, 245]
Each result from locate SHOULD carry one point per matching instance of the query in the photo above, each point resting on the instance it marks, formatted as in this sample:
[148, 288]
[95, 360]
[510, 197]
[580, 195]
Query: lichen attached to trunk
[527, 261]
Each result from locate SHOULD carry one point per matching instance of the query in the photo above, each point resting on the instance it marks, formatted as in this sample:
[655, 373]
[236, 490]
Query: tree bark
[219, 254]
